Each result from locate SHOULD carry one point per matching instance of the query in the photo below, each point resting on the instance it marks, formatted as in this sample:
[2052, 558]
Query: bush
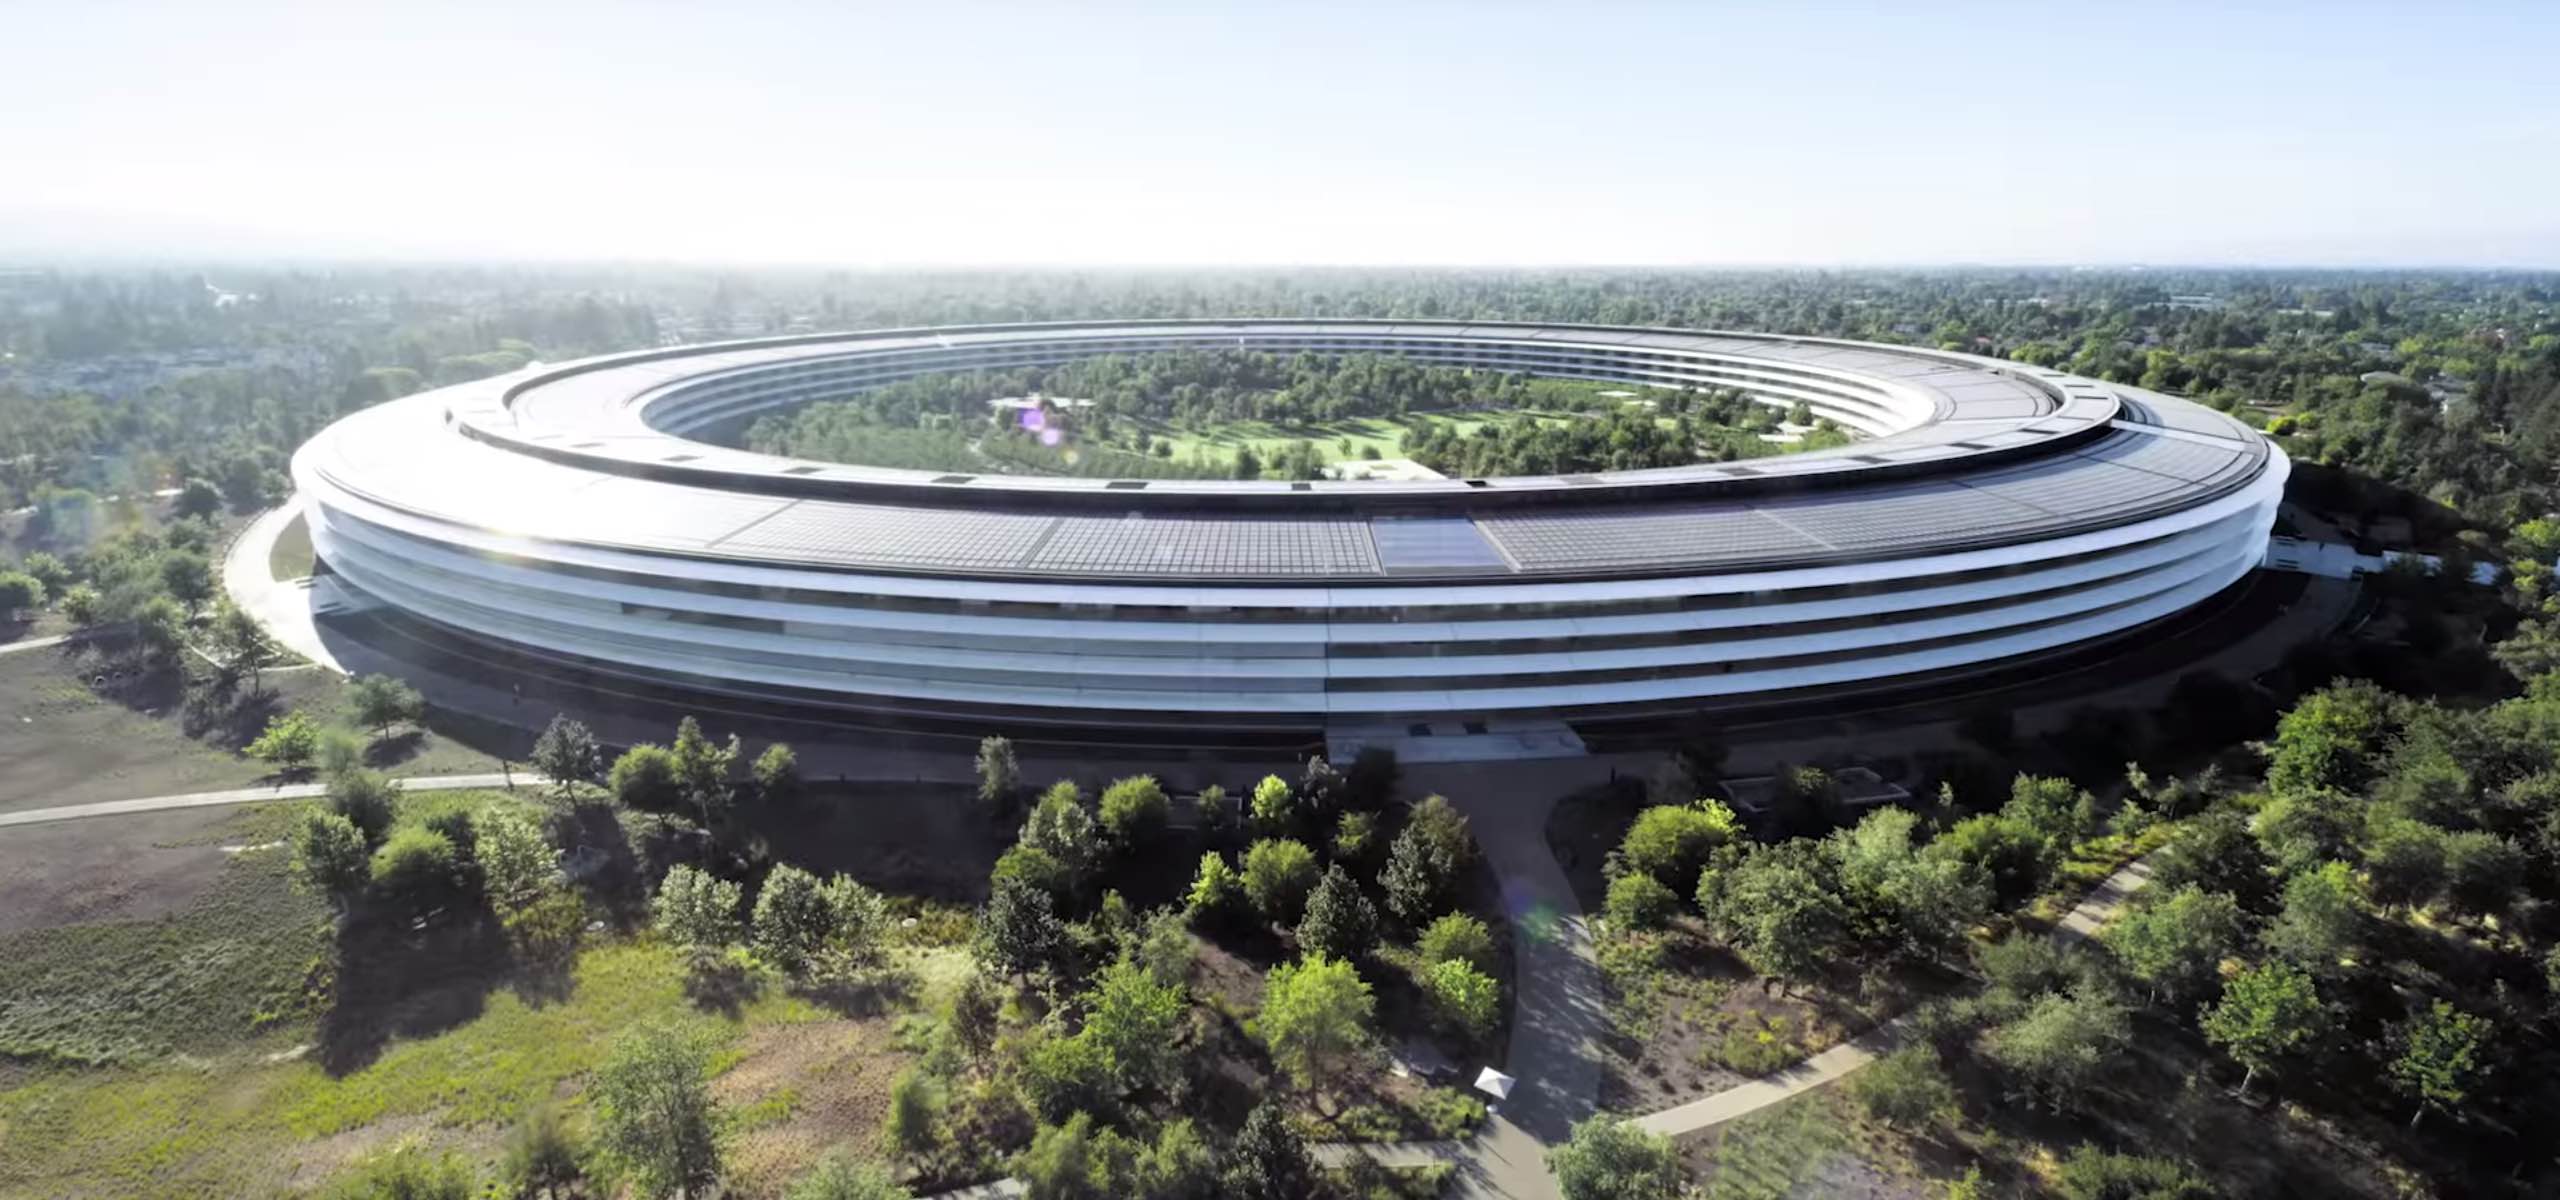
[329, 857]
[1063, 1076]
[415, 869]
[696, 910]
[1216, 892]
[839, 1177]
[1035, 867]
[1458, 938]
[365, 800]
[407, 1173]
[1275, 808]
[288, 743]
[1608, 1158]
[542, 1156]
[2093, 1174]
[645, 778]
[1134, 811]
[1639, 901]
[913, 1125]
[1277, 877]
[1671, 842]
[1907, 1088]
[793, 920]
[1340, 921]
[1464, 997]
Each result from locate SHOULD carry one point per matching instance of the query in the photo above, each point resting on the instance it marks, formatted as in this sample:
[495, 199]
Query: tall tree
[654, 1115]
[2267, 1012]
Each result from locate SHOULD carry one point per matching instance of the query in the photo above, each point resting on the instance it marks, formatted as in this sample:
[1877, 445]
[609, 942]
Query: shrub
[542, 1156]
[696, 909]
[1134, 811]
[1339, 922]
[1457, 937]
[1907, 1088]
[913, 1124]
[382, 702]
[1216, 892]
[1424, 863]
[645, 778]
[840, 1177]
[1275, 808]
[793, 920]
[1464, 997]
[2094, 1174]
[1639, 901]
[365, 800]
[1355, 836]
[1277, 877]
[1671, 842]
[1035, 867]
[1608, 1158]
[288, 742]
[1314, 1012]
[1063, 1076]
[329, 857]
[406, 1173]
[415, 869]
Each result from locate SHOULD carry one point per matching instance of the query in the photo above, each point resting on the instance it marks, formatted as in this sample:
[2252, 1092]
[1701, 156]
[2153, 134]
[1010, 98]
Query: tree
[841, 1177]
[330, 858]
[187, 577]
[405, 1173]
[1354, 836]
[703, 769]
[2216, 852]
[1268, 1161]
[1457, 937]
[1777, 910]
[1921, 903]
[1464, 997]
[566, 754]
[82, 606]
[1424, 863]
[999, 774]
[1163, 947]
[2404, 864]
[1639, 901]
[1134, 811]
[288, 743]
[242, 643]
[1671, 842]
[2301, 830]
[1277, 876]
[2001, 848]
[2439, 1058]
[1609, 1158]
[1063, 1076]
[2325, 740]
[1019, 931]
[913, 1125]
[2267, 1012]
[1275, 808]
[793, 920]
[777, 776]
[1907, 1088]
[542, 1156]
[415, 868]
[976, 1015]
[2321, 920]
[2093, 1174]
[2175, 945]
[366, 799]
[517, 864]
[654, 1115]
[645, 778]
[2063, 1043]
[1137, 1021]
[1315, 1012]
[696, 909]
[1216, 892]
[1061, 827]
[2484, 872]
[382, 702]
[1339, 922]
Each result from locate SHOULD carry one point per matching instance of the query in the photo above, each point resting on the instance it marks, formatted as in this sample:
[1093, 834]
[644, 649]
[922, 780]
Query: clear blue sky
[1386, 132]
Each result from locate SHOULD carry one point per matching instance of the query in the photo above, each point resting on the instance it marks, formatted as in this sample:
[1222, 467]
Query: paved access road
[251, 795]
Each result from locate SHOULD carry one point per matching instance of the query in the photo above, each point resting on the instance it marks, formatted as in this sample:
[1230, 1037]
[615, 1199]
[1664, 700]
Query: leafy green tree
[2439, 1058]
[1609, 1158]
[1315, 1012]
[543, 1158]
[1426, 860]
[2302, 830]
[1457, 937]
[1778, 910]
[1134, 811]
[1671, 842]
[197, 498]
[2267, 1012]
[1267, 1160]
[2321, 922]
[1275, 808]
[1061, 827]
[1907, 1089]
[159, 630]
[1354, 837]
[913, 1125]
[567, 755]
[1217, 893]
[415, 869]
[1180, 1166]
[382, 702]
[2093, 1174]
[517, 863]
[84, 608]
[2062, 1045]
[2484, 872]
[1467, 999]
[2003, 849]
[330, 858]
[2175, 944]
[1064, 1076]
[999, 775]
[187, 577]
[777, 776]
[366, 799]
[975, 1015]
[1019, 931]
[702, 770]
[1137, 1021]
[288, 742]
[841, 1177]
[1277, 877]
[1339, 922]
[1920, 903]
[1163, 947]
[793, 920]
[2217, 853]
[655, 1118]
[241, 643]
[1639, 901]
[2325, 741]
[696, 909]
[2404, 864]
[645, 778]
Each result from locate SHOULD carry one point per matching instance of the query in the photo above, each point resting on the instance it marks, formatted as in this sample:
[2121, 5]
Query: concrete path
[251, 795]
[36, 643]
[287, 608]
[1706, 1112]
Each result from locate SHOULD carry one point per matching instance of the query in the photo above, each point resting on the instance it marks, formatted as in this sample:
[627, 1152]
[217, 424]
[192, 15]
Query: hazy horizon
[1417, 136]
